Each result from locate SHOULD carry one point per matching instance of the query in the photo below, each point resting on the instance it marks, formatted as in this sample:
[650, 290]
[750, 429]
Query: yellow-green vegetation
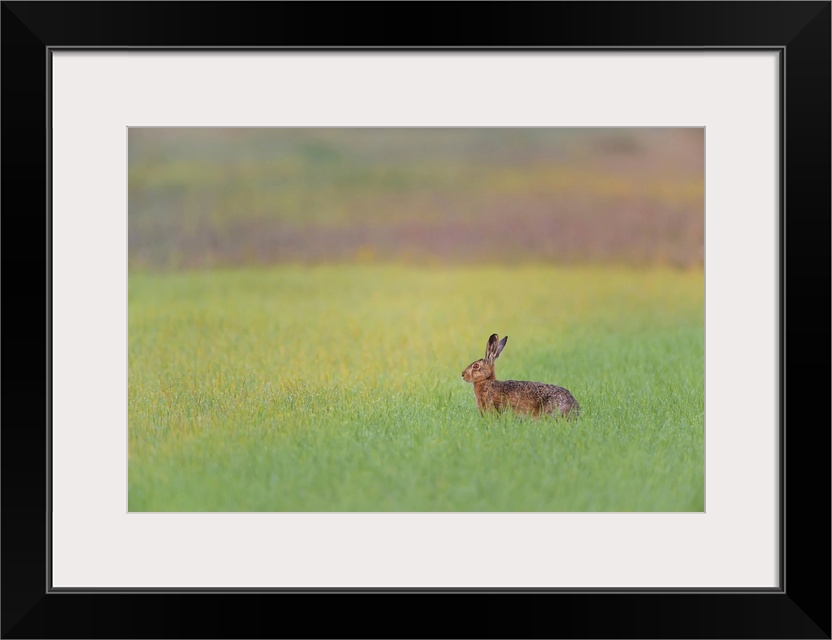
[338, 388]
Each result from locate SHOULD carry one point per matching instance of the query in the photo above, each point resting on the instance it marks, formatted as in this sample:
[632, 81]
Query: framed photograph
[289, 295]
[274, 261]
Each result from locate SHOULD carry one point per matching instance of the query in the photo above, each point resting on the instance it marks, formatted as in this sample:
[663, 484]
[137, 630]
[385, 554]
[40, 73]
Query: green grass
[338, 388]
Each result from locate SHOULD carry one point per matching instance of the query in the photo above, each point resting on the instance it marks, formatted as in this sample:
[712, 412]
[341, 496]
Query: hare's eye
[476, 366]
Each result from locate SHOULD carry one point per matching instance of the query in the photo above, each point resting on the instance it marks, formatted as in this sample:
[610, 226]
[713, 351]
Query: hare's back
[548, 397]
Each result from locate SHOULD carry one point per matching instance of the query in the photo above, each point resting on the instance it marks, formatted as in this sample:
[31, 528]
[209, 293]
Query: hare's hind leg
[571, 412]
[560, 409]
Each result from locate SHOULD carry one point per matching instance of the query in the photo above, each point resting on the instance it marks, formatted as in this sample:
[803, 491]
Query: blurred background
[202, 198]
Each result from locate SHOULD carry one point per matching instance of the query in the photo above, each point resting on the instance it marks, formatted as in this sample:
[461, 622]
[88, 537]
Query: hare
[529, 398]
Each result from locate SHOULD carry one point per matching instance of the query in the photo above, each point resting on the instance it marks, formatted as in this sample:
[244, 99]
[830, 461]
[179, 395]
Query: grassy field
[338, 388]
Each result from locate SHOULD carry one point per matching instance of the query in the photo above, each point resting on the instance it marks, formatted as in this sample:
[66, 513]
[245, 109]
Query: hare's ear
[494, 348]
[500, 347]
[491, 348]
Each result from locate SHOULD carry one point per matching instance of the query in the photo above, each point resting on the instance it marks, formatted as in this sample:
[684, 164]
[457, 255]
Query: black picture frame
[799, 608]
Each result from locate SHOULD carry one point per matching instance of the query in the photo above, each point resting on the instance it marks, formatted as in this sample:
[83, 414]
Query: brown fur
[528, 398]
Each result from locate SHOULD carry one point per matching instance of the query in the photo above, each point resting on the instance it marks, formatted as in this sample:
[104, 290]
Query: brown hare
[528, 398]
